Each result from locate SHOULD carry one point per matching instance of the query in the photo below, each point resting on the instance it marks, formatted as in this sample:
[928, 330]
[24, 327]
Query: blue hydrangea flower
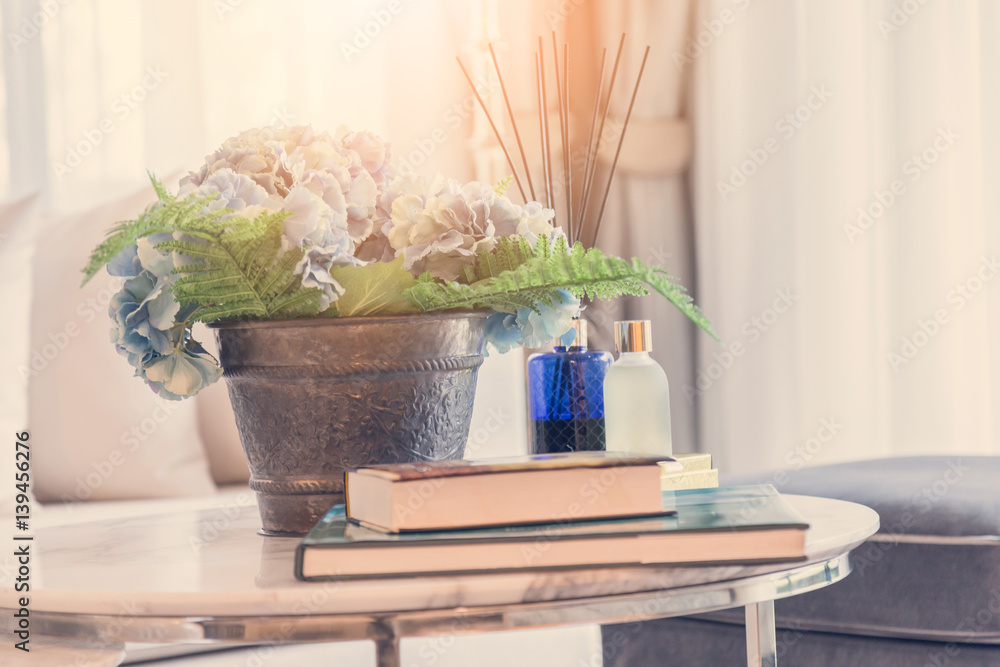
[503, 332]
[126, 264]
[552, 321]
[181, 373]
[506, 331]
[146, 317]
[144, 256]
[143, 313]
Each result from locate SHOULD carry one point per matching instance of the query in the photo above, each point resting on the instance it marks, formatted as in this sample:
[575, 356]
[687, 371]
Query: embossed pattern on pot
[313, 397]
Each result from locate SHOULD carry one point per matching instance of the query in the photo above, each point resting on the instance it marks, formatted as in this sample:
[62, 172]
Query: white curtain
[814, 301]
[99, 91]
[649, 213]
[847, 229]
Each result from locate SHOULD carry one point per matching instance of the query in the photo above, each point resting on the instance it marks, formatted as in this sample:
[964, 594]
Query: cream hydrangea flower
[329, 185]
[231, 190]
[373, 153]
[443, 231]
[318, 210]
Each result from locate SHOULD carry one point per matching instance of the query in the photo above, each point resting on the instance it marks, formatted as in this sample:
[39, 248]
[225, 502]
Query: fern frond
[241, 272]
[585, 273]
[237, 266]
[506, 256]
[161, 190]
[502, 185]
[169, 214]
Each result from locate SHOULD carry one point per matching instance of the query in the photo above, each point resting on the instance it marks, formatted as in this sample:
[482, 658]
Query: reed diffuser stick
[590, 141]
[567, 157]
[541, 130]
[621, 140]
[543, 109]
[600, 128]
[496, 131]
[513, 123]
[562, 129]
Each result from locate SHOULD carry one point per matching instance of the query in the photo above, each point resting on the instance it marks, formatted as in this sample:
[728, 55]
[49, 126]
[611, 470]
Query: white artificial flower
[328, 184]
[373, 153]
[438, 236]
[443, 228]
[309, 218]
[536, 221]
[234, 191]
[318, 211]
[315, 268]
[361, 203]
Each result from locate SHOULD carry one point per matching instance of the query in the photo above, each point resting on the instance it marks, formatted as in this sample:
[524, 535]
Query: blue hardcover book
[744, 524]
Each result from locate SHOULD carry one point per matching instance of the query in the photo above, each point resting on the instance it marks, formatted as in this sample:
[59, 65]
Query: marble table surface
[213, 563]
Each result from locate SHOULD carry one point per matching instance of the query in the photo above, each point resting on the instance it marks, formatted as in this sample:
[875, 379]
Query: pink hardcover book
[544, 488]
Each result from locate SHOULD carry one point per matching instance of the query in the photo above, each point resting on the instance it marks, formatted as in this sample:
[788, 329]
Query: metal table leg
[387, 652]
[761, 642]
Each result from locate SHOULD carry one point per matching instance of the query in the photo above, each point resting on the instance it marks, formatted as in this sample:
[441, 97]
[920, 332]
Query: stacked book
[697, 473]
[546, 512]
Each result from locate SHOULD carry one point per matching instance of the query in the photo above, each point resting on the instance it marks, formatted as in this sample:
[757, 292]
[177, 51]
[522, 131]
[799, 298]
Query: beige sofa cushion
[217, 426]
[98, 432]
[17, 227]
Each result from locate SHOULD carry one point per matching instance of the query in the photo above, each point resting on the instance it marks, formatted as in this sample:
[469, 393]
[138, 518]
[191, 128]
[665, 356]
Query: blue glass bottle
[566, 396]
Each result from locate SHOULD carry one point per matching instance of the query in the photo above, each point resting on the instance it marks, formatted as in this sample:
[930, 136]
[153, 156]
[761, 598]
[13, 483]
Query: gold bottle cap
[580, 327]
[633, 336]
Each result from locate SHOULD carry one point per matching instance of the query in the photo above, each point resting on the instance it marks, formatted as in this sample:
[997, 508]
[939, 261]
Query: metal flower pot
[315, 396]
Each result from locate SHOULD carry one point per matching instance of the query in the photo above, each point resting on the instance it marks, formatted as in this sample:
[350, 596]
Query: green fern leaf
[585, 273]
[168, 215]
[237, 267]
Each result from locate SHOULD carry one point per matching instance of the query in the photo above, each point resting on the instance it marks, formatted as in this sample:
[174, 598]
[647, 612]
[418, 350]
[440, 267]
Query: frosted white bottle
[636, 395]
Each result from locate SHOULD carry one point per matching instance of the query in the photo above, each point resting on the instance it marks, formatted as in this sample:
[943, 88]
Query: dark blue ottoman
[925, 591]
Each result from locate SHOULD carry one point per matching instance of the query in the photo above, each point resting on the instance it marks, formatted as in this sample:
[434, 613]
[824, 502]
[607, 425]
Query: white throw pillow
[98, 433]
[217, 425]
[17, 228]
